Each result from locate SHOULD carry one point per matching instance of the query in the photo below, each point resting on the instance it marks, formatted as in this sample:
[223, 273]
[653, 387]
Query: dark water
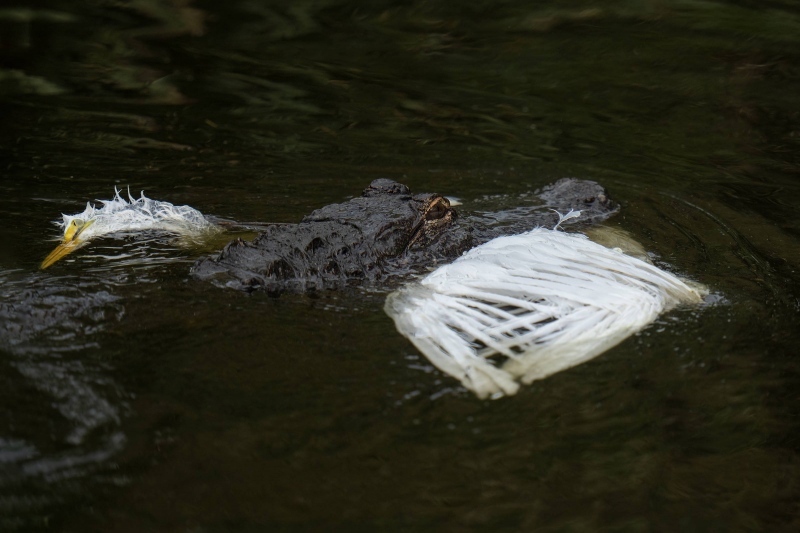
[133, 398]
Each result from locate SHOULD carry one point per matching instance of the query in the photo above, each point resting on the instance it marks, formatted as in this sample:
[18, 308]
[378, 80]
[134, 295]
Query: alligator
[387, 232]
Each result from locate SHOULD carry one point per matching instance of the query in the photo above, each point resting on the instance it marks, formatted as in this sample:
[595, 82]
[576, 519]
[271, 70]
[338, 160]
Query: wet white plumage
[134, 214]
[137, 214]
[540, 302]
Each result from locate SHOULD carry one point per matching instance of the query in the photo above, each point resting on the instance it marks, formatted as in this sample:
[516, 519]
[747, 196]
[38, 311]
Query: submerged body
[385, 232]
[121, 215]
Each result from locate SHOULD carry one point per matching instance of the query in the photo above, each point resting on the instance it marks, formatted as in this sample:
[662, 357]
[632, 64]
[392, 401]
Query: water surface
[134, 398]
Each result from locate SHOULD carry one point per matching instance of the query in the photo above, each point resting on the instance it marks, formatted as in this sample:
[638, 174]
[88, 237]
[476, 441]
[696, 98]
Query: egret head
[128, 215]
[74, 236]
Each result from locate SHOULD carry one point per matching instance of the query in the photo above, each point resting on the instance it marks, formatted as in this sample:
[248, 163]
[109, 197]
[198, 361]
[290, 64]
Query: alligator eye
[437, 211]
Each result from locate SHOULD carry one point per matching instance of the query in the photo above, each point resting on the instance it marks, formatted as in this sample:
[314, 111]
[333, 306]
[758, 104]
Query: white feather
[135, 214]
[523, 307]
[138, 214]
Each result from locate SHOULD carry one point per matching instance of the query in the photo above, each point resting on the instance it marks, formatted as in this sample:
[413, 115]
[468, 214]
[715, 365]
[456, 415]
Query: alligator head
[341, 243]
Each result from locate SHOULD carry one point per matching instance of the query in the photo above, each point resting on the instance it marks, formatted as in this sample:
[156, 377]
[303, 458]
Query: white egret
[522, 307]
[121, 215]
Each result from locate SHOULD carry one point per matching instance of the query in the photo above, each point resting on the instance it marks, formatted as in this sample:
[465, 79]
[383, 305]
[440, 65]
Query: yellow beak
[61, 250]
[69, 244]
